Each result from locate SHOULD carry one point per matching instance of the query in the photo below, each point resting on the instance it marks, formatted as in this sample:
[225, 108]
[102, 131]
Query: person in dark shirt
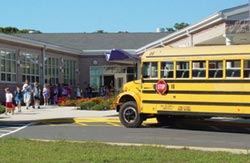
[88, 90]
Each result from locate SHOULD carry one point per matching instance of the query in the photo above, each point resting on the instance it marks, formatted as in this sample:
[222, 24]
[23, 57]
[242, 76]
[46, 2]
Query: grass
[29, 151]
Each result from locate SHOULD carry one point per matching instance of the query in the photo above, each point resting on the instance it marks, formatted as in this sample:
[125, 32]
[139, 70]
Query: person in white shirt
[46, 94]
[78, 92]
[26, 94]
[9, 107]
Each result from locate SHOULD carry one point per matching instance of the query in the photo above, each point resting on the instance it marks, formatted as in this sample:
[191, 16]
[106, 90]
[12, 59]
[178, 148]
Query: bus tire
[129, 115]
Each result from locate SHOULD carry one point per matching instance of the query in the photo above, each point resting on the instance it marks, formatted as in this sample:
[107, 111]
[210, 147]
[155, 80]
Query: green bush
[86, 105]
[95, 105]
[107, 105]
[2, 109]
[102, 106]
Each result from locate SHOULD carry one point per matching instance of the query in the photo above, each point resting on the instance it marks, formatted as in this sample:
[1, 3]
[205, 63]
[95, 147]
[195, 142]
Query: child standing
[36, 95]
[46, 94]
[26, 94]
[18, 98]
[8, 104]
[55, 94]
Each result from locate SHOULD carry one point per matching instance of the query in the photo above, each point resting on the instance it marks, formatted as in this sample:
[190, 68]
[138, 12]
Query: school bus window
[215, 69]
[149, 70]
[167, 69]
[233, 68]
[199, 69]
[182, 69]
[247, 69]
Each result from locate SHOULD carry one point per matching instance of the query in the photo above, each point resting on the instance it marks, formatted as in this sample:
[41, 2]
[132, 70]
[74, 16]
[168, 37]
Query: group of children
[9, 105]
[26, 95]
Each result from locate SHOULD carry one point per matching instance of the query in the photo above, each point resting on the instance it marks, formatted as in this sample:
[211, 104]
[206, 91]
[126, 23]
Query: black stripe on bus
[209, 114]
[200, 92]
[195, 103]
[195, 55]
[197, 81]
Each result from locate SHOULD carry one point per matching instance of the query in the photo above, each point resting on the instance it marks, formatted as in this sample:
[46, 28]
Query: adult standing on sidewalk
[88, 90]
[26, 94]
[78, 92]
[54, 94]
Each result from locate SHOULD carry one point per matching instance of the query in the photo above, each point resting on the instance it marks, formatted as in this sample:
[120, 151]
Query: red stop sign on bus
[161, 86]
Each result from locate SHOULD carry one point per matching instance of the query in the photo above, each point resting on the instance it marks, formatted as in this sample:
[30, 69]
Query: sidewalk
[54, 112]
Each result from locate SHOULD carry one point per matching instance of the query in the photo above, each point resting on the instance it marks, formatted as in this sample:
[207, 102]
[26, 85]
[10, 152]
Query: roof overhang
[36, 44]
[182, 33]
[214, 19]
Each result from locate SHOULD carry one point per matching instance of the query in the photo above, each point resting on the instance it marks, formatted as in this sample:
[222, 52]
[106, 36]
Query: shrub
[63, 101]
[102, 106]
[2, 109]
[97, 103]
[97, 107]
[86, 105]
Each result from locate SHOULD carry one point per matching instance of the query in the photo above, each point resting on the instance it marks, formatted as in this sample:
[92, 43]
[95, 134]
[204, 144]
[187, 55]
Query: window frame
[149, 70]
[8, 63]
[185, 72]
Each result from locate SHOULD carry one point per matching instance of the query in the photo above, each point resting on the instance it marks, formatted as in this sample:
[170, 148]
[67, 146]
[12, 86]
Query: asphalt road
[183, 133]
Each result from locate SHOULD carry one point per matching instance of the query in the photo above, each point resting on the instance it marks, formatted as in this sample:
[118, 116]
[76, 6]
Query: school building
[104, 58]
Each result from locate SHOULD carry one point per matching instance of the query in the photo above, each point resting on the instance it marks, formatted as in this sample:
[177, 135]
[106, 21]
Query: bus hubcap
[130, 114]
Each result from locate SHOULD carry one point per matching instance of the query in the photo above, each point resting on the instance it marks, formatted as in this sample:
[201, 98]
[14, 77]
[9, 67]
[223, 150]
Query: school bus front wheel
[129, 115]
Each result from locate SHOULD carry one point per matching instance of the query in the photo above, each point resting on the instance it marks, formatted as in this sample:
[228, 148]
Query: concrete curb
[206, 149]
[77, 120]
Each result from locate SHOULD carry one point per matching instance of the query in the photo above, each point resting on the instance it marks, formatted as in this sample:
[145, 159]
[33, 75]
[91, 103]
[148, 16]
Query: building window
[96, 74]
[52, 70]
[30, 67]
[70, 71]
[8, 62]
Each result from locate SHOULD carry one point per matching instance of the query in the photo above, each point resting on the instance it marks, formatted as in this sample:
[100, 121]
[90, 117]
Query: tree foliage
[177, 27]
[100, 31]
[14, 30]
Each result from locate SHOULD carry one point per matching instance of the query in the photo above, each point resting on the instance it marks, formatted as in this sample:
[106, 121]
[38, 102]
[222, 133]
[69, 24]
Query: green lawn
[28, 151]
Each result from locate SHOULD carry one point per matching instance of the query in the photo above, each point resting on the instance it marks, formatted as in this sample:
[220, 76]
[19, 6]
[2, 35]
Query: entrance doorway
[115, 82]
[109, 82]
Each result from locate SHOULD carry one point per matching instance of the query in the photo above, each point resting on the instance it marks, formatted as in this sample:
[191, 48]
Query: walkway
[56, 112]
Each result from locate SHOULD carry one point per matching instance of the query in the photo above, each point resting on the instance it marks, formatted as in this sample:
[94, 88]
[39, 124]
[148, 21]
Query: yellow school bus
[198, 82]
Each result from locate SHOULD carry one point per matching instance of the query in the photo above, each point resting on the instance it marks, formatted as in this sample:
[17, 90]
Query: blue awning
[120, 55]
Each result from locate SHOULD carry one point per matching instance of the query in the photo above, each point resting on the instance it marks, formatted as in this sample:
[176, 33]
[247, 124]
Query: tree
[99, 31]
[177, 27]
[14, 30]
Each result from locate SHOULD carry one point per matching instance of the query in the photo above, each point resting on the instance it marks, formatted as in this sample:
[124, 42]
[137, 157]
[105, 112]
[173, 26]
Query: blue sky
[71, 16]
